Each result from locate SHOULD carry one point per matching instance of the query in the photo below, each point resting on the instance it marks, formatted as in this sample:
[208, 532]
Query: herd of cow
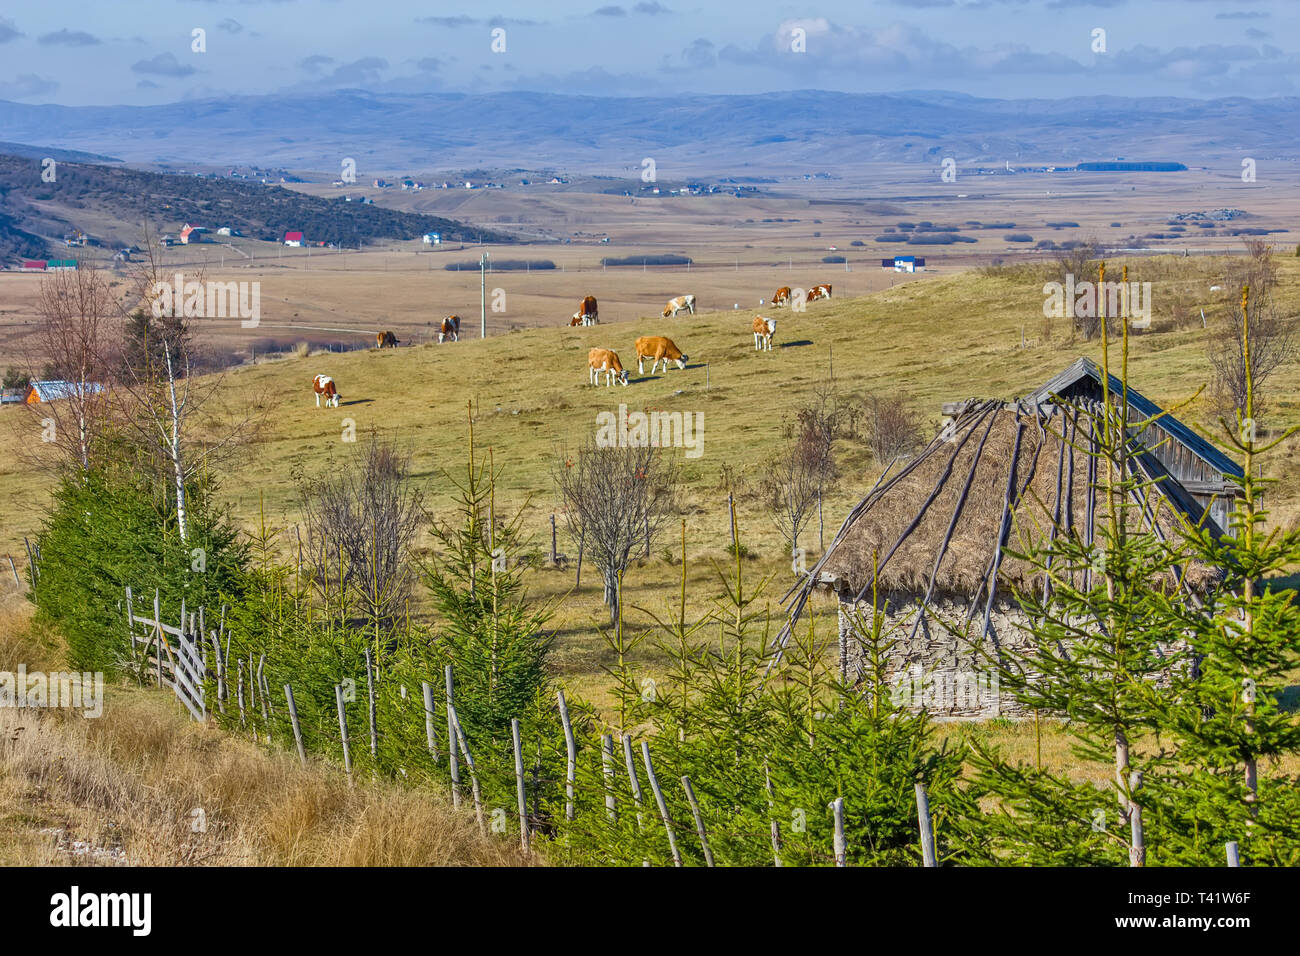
[600, 361]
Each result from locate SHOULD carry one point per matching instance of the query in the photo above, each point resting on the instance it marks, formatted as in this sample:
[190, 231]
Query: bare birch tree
[176, 414]
[75, 341]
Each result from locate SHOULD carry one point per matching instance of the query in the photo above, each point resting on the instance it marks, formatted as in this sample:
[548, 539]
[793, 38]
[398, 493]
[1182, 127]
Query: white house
[433, 238]
[293, 238]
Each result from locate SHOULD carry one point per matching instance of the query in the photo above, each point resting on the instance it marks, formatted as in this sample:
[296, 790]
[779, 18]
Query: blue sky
[139, 52]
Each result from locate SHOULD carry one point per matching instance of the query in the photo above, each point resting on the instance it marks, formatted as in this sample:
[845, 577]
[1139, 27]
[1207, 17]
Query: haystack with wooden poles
[932, 539]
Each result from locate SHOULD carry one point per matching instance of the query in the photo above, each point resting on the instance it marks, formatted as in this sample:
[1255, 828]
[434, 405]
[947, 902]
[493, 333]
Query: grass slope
[933, 341]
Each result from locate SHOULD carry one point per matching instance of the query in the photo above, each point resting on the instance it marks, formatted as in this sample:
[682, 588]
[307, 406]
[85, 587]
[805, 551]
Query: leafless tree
[75, 340]
[818, 425]
[616, 500]
[791, 484]
[362, 519]
[1272, 336]
[892, 427]
[178, 416]
[1080, 262]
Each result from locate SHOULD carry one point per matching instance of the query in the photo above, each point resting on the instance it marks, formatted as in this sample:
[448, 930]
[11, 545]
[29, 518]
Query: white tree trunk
[174, 451]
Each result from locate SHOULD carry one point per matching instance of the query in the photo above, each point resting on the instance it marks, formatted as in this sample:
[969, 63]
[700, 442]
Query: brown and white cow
[683, 303]
[587, 314]
[324, 385]
[781, 296]
[764, 329]
[450, 329]
[819, 292]
[386, 340]
[659, 349]
[605, 360]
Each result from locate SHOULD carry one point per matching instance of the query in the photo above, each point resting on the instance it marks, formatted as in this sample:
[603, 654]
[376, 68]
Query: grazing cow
[324, 385]
[386, 340]
[679, 304]
[659, 349]
[450, 329]
[781, 296]
[587, 314]
[605, 360]
[819, 292]
[764, 329]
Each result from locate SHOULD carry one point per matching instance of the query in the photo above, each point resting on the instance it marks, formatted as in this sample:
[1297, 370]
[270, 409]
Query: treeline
[502, 265]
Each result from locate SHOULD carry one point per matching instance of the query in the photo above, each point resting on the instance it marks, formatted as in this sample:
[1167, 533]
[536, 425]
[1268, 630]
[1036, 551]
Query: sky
[144, 52]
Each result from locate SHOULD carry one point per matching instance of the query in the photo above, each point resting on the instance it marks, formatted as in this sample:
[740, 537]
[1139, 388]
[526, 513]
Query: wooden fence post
[519, 784]
[221, 672]
[659, 799]
[18, 583]
[1234, 857]
[452, 762]
[571, 751]
[1137, 851]
[240, 692]
[297, 729]
[553, 552]
[607, 768]
[582, 540]
[632, 778]
[429, 736]
[771, 811]
[927, 827]
[469, 765]
[130, 631]
[265, 699]
[837, 808]
[157, 633]
[343, 732]
[699, 820]
[370, 691]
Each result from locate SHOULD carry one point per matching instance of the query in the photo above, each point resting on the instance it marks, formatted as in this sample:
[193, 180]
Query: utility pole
[482, 290]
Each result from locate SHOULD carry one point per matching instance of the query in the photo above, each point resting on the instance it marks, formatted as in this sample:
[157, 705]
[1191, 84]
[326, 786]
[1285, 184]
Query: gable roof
[53, 390]
[1083, 370]
[293, 237]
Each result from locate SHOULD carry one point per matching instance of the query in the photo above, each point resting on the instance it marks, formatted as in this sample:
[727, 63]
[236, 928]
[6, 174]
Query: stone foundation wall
[934, 668]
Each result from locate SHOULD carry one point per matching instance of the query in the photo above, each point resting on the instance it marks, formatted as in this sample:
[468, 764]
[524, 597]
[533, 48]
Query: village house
[53, 390]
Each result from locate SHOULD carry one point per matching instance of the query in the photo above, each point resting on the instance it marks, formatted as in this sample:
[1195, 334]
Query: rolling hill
[38, 214]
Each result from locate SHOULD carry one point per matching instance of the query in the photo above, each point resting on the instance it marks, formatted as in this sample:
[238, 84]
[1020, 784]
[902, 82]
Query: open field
[946, 338]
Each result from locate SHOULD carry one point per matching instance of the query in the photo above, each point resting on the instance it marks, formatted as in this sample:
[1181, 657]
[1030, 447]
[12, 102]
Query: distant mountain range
[693, 134]
[108, 203]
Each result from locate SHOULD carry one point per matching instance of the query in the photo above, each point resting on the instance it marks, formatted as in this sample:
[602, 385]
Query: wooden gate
[173, 654]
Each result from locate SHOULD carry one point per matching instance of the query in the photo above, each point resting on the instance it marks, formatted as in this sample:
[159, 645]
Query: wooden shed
[933, 539]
